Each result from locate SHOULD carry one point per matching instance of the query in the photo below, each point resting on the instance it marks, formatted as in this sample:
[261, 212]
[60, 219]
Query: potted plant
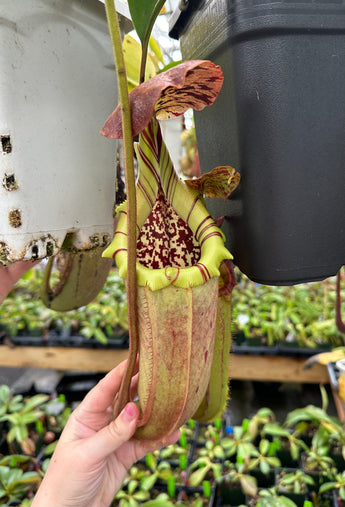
[290, 444]
[262, 464]
[257, 423]
[207, 465]
[338, 485]
[238, 442]
[16, 483]
[318, 465]
[72, 42]
[294, 484]
[19, 415]
[235, 483]
[270, 498]
[156, 277]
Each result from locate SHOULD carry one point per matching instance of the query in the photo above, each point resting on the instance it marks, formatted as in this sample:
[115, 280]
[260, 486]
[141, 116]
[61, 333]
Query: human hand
[94, 451]
[10, 274]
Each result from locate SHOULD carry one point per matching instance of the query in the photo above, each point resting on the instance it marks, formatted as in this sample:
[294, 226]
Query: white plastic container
[57, 87]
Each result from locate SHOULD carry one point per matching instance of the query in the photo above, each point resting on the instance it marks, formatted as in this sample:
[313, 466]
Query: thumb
[119, 431]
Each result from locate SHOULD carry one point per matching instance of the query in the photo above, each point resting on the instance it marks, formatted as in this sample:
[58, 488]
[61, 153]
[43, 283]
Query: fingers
[18, 269]
[10, 274]
[116, 433]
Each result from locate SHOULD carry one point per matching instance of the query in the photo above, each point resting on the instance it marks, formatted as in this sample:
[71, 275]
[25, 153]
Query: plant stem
[115, 34]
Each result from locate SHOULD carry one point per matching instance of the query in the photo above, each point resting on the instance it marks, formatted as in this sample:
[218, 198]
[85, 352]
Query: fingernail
[129, 412]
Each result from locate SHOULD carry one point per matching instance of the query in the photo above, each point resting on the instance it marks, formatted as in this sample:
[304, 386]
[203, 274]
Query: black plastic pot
[280, 121]
[228, 494]
[67, 339]
[263, 480]
[286, 459]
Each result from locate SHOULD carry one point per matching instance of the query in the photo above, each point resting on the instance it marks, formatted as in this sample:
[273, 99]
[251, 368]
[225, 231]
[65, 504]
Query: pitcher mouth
[198, 250]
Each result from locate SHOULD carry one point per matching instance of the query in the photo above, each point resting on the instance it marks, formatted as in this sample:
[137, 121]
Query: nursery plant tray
[66, 339]
[277, 350]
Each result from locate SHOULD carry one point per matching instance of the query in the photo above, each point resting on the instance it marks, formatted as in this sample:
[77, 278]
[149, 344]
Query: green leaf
[264, 446]
[5, 393]
[276, 430]
[14, 459]
[274, 462]
[132, 486]
[148, 482]
[100, 336]
[28, 478]
[151, 461]
[141, 496]
[156, 50]
[35, 401]
[249, 485]
[264, 467]
[198, 476]
[162, 500]
[144, 14]
[133, 503]
[120, 494]
[132, 53]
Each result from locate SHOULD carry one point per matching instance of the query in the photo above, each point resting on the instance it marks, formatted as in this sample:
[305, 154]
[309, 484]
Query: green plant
[271, 498]
[147, 273]
[195, 499]
[8, 402]
[157, 471]
[303, 314]
[257, 421]
[338, 483]
[19, 414]
[56, 413]
[211, 432]
[23, 311]
[261, 458]
[173, 451]
[240, 443]
[318, 461]
[336, 435]
[236, 475]
[14, 483]
[207, 463]
[295, 481]
[132, 495]
[310, 414]
[287, 439]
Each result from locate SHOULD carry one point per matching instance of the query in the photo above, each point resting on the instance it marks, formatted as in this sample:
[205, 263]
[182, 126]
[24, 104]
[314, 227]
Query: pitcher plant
[179, 254]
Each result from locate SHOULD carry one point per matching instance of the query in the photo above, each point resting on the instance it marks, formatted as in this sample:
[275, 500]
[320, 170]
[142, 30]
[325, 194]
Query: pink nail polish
[129, 412]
